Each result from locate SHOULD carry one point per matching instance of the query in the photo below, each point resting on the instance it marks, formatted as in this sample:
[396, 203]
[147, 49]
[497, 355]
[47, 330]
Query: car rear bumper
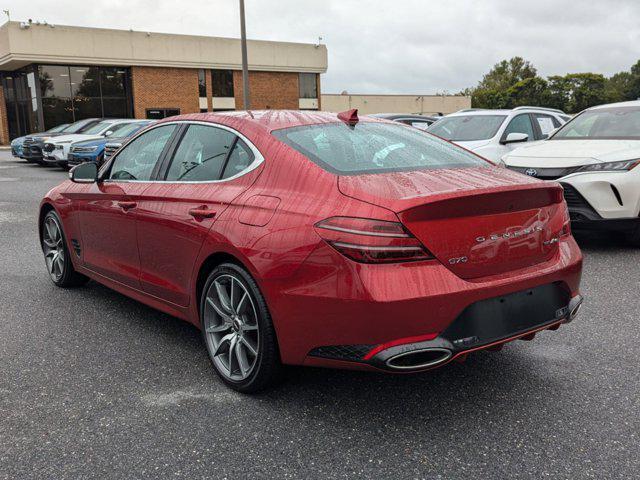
[484, 325]
[341, 314]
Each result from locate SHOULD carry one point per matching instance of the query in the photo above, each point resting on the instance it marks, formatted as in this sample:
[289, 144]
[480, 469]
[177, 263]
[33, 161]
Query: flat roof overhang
[61, 44]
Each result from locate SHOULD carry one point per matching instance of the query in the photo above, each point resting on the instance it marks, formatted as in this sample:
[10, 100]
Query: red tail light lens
[367, 240]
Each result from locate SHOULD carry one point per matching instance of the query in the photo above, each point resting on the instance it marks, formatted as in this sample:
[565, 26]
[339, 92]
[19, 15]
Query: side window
[547, 123]
[200, 155]
[241, 157]
[520, 124]
[137, 159]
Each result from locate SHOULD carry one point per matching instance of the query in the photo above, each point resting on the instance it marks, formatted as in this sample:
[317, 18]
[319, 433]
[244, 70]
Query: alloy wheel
[53, 245]
[231, 327]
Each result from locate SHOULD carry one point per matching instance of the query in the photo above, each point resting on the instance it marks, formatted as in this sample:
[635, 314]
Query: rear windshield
[371, 147]
[618, 123]
[467, 128]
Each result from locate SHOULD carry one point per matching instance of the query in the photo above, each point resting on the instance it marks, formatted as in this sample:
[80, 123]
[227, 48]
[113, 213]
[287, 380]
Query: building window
[222, 83]
[308, 85]
[21, 102]
[160, 113]
[202, 85]
[71, 93]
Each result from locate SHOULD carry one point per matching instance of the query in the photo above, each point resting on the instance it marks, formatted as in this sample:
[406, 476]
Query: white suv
[494, 133]
[596, 158]
[56, 149]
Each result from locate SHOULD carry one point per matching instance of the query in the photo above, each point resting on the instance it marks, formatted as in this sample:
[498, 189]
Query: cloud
[386, 46]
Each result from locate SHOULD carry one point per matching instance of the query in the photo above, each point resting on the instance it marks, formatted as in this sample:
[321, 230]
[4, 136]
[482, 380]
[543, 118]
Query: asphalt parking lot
[94, 385]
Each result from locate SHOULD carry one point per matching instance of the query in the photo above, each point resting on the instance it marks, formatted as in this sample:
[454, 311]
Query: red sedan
[318, 239]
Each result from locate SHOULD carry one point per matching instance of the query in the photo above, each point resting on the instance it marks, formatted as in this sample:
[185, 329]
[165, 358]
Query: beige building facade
[422, 104]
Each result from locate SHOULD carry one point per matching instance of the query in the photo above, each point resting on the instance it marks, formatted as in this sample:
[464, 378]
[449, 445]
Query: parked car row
[71, 144]
[593, 155]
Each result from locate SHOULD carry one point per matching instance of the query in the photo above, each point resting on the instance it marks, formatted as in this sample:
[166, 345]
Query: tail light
[566, 222]
[367, 240]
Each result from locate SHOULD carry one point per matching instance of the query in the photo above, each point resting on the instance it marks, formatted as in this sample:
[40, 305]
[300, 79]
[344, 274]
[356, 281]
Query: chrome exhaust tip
[419, 359]
[574, 307]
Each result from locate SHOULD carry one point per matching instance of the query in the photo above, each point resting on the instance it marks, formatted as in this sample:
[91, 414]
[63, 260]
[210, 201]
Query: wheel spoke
[225, 316]
[232, 296]
[241, 302]
[60, 264]
[219, 328]
[48, 242]
[55, 232]
[247, 343]
[225, 303]
[47, 226]
[232, 352]
[241, 356]
[226, 339]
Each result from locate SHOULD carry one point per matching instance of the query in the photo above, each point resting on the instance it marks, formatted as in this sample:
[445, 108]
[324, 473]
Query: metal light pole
[245, 66]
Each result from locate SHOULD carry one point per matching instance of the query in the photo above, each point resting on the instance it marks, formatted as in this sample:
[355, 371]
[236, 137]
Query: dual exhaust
[425, 355]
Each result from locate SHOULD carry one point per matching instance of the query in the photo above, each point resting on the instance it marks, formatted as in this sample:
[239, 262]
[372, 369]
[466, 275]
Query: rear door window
[547, 124]
[239, 160]
[201, 155]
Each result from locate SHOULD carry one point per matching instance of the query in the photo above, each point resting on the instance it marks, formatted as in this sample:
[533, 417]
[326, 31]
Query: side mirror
[108, 133]
[84, 173]
[515, 138]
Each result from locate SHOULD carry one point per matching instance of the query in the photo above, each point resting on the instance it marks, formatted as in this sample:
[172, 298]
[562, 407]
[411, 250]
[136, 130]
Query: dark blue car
[93, 150]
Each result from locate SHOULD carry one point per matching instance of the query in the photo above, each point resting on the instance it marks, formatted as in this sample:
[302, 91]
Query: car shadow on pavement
[602, 241]
[499, 379]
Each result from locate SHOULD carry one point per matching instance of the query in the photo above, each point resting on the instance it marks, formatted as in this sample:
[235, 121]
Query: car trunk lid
[476, 221]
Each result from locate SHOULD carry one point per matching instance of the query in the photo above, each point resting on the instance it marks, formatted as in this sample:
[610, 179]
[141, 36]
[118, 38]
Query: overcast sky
[391, 46]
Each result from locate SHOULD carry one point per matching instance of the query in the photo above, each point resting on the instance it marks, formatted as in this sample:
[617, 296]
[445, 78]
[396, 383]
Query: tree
[532, 91]
[620, 87]
[634, 90]
[515, 82]
[507, 73]
[558, 92]
[586, 90]
[489, 99]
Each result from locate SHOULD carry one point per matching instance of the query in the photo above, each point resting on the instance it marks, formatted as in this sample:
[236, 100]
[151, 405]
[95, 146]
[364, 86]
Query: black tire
[267, 368]
[68, 278]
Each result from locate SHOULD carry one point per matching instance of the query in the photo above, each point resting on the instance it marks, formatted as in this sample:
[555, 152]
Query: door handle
[127, 205]
[201, 212]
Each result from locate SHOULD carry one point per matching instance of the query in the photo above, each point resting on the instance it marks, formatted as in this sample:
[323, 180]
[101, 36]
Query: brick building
[59, 74]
